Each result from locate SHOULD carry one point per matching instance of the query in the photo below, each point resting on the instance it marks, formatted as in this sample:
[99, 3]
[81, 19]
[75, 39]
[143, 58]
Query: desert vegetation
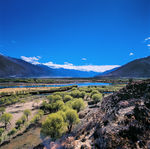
[55, 114]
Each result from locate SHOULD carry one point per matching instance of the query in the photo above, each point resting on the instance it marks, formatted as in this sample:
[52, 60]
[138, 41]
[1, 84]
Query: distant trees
[6, 118]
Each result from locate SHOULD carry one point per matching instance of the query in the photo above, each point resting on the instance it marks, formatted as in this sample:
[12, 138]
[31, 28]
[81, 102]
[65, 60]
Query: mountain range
[13, 67]
[139, 68]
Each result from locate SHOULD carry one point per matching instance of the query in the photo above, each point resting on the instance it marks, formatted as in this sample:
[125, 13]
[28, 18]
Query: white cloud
[66, 65]
[131, 54]
[95, 68]
[33, 60]
[148, 38]
[84, 59]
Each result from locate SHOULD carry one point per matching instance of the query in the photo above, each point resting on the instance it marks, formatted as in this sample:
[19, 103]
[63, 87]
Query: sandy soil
[17, 109]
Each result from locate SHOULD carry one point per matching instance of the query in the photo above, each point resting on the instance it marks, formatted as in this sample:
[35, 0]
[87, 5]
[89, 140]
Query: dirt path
[18, 109]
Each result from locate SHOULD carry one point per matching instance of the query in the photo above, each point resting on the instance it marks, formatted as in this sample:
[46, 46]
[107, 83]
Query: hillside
[139, 68]
[12, 67]
[121, 121]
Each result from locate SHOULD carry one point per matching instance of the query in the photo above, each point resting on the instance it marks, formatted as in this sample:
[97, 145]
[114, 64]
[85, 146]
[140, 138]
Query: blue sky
[80, 32]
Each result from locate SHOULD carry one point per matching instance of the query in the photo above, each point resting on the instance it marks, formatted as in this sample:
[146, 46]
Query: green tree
[36, 118]
[24, 118]
[53, 126]
[94, 92]
[6, 118]
[54, 98]
[58, 105]
[82, 94]
[71, 118]
[75, 94]
[46, 107]
[27, 113]
[67, 98]
[78, 104]
[97, 98]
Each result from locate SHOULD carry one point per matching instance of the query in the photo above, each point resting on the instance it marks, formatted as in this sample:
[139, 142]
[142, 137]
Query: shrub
[18, 124]
[58, 105]
[24, 118]
[74, 88]
[53, 126]
[36, 118]
[97, 98]
[12, 132]
[27, 113]
[94, 92]
[75, 94]
[78, 104]
[82, 94]
[41, 113]
[54, 98]
[6, 118]
[67, 98]
[71, 118]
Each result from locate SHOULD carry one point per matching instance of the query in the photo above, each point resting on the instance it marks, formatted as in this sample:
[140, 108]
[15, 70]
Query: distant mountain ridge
[139, 68]
[13, 67]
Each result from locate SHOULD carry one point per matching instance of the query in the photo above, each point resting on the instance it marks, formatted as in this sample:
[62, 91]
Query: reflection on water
[59, 85]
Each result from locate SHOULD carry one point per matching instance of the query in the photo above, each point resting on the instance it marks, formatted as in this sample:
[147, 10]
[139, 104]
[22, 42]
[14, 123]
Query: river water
[58, 85]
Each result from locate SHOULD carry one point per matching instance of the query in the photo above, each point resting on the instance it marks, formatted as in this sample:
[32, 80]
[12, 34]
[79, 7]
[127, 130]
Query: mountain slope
[136, 68]
[12, 67]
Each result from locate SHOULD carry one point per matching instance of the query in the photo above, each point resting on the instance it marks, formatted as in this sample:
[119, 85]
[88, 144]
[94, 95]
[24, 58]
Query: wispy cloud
[148, 38]
[66, 65]
[84, 59]
[33, 60]
[95, 68]
[130, 54]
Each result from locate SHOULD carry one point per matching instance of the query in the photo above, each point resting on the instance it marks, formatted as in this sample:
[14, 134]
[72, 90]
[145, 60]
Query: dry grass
[14, 90]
